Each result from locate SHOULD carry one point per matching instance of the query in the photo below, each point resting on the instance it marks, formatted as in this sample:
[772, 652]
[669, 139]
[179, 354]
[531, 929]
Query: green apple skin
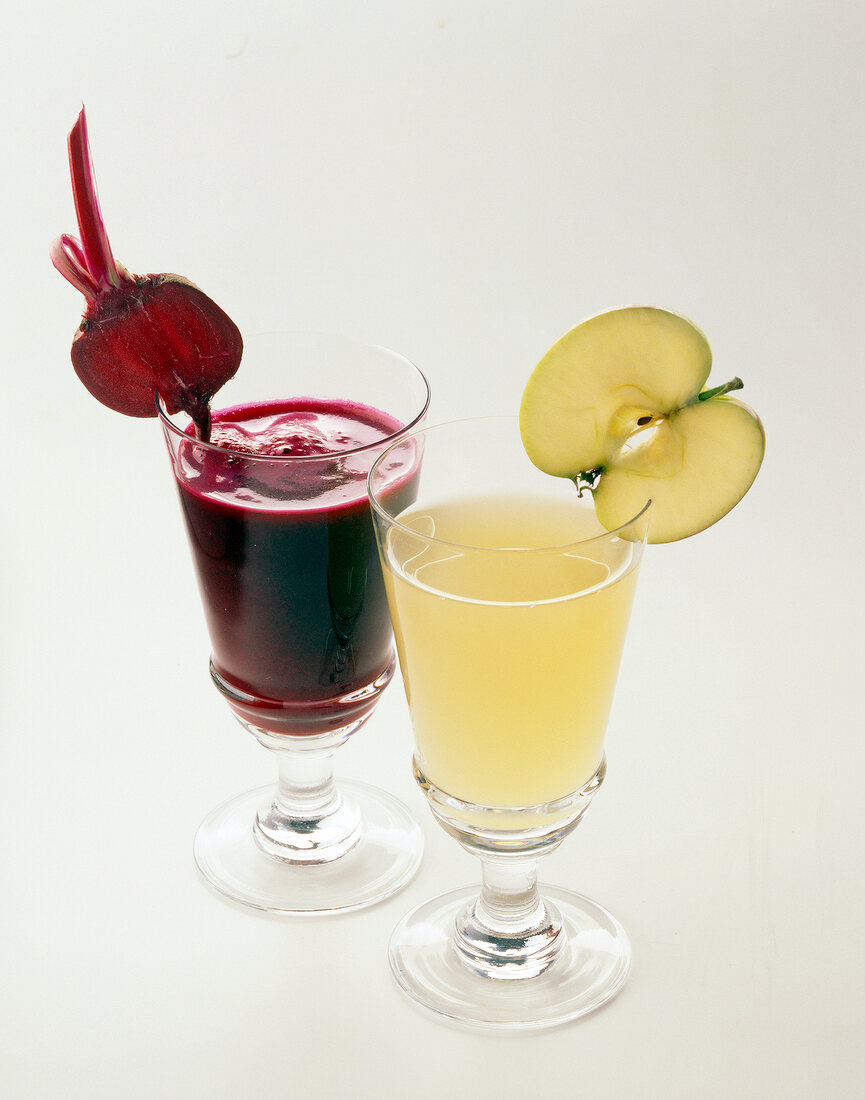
[717, 450]
[638, 360]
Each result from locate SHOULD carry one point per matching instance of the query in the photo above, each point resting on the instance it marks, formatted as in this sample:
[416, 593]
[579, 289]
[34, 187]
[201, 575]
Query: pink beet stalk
[94, 239]
[93, 253]
[67, 256]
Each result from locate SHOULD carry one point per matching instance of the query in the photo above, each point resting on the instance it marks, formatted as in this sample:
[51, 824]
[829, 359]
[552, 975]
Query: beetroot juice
[283, 544]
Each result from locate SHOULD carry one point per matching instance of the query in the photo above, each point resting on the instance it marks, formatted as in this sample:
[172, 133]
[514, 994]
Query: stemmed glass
[301, 640]
[510, 605]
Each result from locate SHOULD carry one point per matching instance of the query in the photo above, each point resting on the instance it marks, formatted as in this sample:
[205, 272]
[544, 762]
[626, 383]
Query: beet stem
[67, 256]
[96, 250]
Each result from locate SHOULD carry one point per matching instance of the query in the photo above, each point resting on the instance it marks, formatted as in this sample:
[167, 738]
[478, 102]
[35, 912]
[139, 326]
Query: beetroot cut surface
[140, 334]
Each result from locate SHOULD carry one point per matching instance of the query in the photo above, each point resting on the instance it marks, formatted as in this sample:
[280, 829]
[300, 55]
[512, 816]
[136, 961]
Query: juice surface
[509, 660]
[286, 559]
[322, 441]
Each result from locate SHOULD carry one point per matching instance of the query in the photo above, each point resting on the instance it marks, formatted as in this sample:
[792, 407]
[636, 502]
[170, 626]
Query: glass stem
[510, 931]
[307, 788]
[309, 820]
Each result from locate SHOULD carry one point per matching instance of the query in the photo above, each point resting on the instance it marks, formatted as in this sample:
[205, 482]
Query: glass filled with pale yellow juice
[509, 657]
[510, 604]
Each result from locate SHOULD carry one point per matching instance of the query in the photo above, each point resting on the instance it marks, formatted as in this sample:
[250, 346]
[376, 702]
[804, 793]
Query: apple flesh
[618, 404]
[695, 465]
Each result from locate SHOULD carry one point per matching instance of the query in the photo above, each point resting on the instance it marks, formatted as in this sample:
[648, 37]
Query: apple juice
[282, 540]
[509, 660]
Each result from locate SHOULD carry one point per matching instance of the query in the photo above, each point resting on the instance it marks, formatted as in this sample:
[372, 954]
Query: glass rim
[392, 439]
[552, 548]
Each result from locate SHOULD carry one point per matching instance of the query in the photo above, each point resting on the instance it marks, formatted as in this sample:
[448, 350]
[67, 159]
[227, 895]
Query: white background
[463, 181]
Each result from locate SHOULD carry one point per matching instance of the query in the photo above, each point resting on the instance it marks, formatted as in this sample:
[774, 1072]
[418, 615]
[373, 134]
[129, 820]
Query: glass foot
[589, 970]
[382, 861]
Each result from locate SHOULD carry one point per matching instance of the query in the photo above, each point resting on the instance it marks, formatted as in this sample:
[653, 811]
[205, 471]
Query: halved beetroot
[140, 334]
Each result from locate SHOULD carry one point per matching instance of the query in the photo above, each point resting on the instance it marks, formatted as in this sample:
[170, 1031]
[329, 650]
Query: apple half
[618, 405]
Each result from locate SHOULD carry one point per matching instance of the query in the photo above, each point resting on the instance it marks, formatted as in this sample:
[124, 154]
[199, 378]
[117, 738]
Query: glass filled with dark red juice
[276, 511]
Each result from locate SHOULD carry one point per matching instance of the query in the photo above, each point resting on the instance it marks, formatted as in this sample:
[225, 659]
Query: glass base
[382, 861]
[590, 969]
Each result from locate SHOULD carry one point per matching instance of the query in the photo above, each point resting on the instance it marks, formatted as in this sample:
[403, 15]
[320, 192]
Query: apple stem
[718, 391]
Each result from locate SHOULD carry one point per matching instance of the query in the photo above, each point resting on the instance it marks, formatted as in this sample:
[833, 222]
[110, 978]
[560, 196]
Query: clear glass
[302, 645]
[510, 605]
